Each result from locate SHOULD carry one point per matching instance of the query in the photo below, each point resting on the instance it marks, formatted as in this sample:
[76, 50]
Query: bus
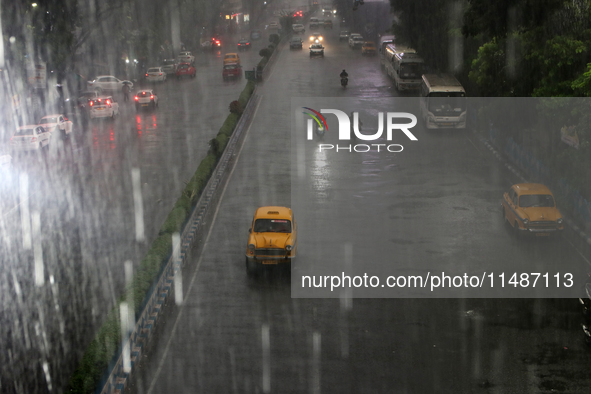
[384, 40]
[404, 66]
[443, 102]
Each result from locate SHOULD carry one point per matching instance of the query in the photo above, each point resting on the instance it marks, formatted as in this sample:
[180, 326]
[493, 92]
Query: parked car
[104, 107]
[231, 71]
[295, 43]
[104, 83]
[231, 58]
[243, 44]
[255, 34]
[155, 74]
[57, 123]
[272, 238]
[298, 28]
[186, 57]
[30, 137]
[169, 66]
[530, 208]
[369, 49]
[186, 69]
[145, 99]
[316, 50]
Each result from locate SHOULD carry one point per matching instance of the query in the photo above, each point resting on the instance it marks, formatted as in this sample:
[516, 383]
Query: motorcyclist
[344, 74]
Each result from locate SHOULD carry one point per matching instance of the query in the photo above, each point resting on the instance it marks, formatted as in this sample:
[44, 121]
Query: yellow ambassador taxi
[272, 239]
[530, 209]
[231, 58]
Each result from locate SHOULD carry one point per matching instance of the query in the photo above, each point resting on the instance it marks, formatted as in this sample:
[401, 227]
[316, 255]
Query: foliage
[274, 38]
[235, 107]
[265, 52]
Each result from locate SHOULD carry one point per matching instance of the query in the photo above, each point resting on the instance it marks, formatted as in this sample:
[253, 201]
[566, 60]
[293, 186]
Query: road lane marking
[178, 318]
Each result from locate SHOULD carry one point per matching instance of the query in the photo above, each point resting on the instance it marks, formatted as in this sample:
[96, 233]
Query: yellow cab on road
[272, 240]
[530, 208]
[231, 58]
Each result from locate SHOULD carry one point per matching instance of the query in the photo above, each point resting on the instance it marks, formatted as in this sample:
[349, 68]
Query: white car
[30, 137]
[274, 26]
[104, 83]
[186, 57]
[57, 123]
[316, 50]
[356, 40]
[145, 99]
[104, 107]
[169, 66]
[298, 28]
[155, 74]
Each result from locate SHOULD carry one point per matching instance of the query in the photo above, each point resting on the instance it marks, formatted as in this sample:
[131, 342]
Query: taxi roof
[273, 212]
[531, 188]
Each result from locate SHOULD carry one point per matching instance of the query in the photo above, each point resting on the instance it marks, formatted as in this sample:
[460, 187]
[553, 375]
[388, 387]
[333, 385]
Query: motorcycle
[344, 81]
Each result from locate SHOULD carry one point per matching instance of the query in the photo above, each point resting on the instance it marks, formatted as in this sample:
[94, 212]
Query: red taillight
[146, 74]
[33, 139]
[160, 73]
[248, 43]
[136, 98]
[152, 97]
[108, 102]
[91, 103]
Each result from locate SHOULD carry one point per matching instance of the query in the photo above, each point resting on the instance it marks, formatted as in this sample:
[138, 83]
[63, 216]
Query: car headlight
[559, 220]
[251, 248]
[320, 38]
[525, 222]
[288, 247]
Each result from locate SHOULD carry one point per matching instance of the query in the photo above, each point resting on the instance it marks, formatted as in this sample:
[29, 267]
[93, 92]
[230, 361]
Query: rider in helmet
[344, 74]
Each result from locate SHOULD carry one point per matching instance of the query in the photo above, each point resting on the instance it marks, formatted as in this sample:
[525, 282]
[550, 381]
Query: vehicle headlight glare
[288, 248]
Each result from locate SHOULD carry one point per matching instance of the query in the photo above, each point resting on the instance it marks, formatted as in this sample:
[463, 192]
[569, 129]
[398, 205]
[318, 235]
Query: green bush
[274, 38]
[265, 53]
[236, 107]
[246, 93]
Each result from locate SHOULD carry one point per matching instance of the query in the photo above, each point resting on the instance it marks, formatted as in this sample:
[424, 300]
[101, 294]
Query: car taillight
[146, 74]
[160, 73]
[108, 102]
[91, 103]
[33, 139]
[136, 98]
[152, 97]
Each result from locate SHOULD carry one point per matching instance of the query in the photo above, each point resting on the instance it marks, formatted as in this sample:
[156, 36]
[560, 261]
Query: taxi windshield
[536, 200]
[48, 120]
[272, 226]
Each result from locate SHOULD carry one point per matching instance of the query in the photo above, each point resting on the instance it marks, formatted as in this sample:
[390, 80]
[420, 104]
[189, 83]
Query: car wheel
[251, 267]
